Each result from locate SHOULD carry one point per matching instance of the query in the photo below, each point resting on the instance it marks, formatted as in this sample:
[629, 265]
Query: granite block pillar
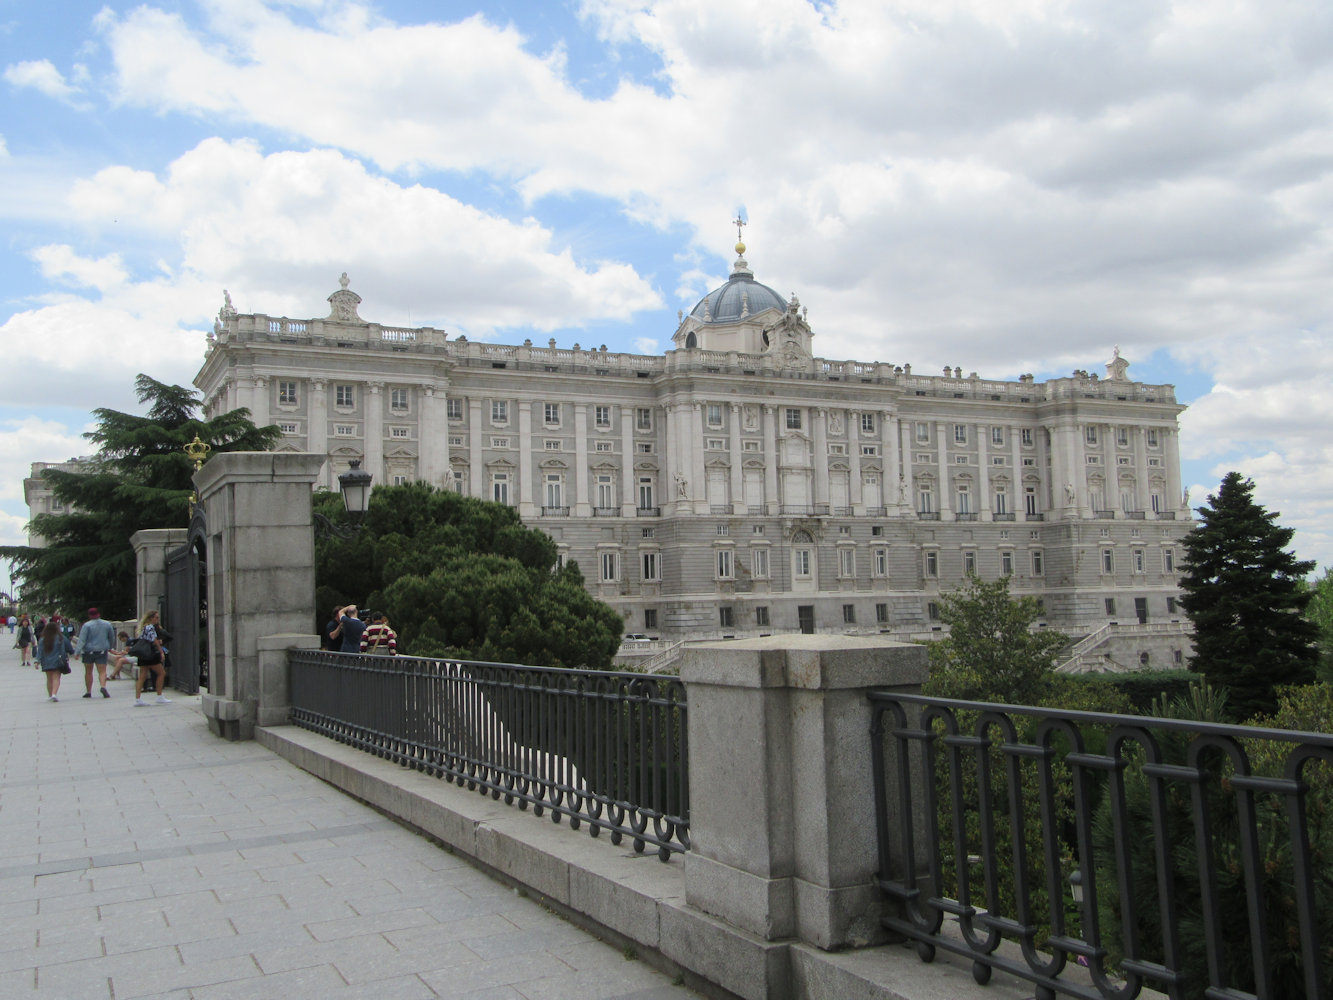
[261, 574]
[782, 826]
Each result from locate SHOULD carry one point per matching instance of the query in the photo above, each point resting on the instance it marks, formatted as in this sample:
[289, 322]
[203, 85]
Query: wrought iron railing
[1097, 855]
[602, 748]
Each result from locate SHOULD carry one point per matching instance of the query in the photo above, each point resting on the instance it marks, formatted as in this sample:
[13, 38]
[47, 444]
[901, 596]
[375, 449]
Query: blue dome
[740, 294]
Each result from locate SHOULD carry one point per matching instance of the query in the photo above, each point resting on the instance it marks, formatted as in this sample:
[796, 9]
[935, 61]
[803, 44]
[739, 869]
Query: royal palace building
[739, 484]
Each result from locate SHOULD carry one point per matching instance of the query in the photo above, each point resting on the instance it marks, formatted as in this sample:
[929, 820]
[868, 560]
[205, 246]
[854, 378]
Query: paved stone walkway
[140, 856]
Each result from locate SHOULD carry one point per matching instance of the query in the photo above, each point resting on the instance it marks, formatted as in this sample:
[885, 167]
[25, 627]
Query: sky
[1006, 186]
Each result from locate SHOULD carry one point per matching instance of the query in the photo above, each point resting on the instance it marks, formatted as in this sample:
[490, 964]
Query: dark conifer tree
[139, 478]
[1245, 594]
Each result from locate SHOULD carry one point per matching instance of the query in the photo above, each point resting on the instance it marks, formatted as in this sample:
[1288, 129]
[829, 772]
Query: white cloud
[60, 263]
[42, 76]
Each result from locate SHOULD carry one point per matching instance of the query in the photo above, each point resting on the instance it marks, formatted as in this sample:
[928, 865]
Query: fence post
[782, 825]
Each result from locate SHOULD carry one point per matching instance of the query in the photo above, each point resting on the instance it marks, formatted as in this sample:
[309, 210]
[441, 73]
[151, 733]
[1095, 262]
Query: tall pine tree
[139, 478]
[1244, 593]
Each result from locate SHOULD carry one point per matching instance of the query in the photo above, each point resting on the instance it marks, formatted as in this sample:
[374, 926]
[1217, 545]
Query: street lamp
[355, 487]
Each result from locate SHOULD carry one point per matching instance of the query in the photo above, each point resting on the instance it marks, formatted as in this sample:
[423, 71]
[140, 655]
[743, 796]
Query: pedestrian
[149, 643]
[352, 627]
[117, 657]
[96, 639]
[25, 639]
[12, 622]
[331, 638]
[378, 639]
[53, 651]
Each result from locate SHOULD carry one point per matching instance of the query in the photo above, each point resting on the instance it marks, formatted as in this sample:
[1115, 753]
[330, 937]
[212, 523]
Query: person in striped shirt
[378, 639]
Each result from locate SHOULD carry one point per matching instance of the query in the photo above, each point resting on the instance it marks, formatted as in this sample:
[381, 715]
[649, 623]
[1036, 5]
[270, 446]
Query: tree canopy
[992, 652]
[1245, 594]
[1320, 611]
[139, 478]
[463, 577]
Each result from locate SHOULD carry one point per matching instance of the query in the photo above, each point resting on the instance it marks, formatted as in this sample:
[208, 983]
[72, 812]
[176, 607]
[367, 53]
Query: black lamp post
[355, 487]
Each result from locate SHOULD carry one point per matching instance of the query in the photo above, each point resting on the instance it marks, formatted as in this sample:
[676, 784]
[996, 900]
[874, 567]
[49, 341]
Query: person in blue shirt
[96, 639]
[352, 627]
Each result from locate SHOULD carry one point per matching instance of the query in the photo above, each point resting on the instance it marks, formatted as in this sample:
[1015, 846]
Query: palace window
[1038, 563]
[652, 569]
[880, 560]
[932, 564]
[969, 563]
[1108, 560]
[997, 435]
[793, 418]
[761, 616]
[552, 414]
[643, 418]
[609, 563]
[602, 416]
[726, 564]
[287, 393]
[960, 433]
[398, 399]
[1006, 563]
[847, 563]
[1025, 436]
[849, 614]
[344, 396]
[759, 563]
[714, 415]
[867, 423]
[453, 408]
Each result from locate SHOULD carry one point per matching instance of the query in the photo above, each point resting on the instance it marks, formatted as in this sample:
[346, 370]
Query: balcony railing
[719, 508]
[1172, 855]
[876, 511]
[1104, 515]
[1031, 516]
[606, 512]
[1134, 515]
[928, 515]
[601, 748]
[1003, 517]
[555, 512]
[648, 512]
[967, 515]
[1166, 515]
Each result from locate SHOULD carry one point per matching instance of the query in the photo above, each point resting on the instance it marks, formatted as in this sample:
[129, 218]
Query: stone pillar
[261, 572]
[1175, 499]
[151, 547]
[985, 505]
[476, 470]
[855, 487]
[942, 468]
[694, 453]
[735, 457]
[524, 496]
[628, 480]
[782, 825]
[771, 499]
[893, 466]
[433, 438]
[819, 418]
[581, 502]
[374, 451]
[318, 437]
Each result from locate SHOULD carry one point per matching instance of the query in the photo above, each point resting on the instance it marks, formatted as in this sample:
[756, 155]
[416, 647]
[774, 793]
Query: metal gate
[185, 611]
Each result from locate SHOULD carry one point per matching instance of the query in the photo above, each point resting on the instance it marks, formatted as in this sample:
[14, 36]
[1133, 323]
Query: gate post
[151, 546]
[261, 573]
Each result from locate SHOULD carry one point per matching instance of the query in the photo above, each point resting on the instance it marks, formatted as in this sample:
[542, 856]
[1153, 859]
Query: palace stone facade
[738, 484]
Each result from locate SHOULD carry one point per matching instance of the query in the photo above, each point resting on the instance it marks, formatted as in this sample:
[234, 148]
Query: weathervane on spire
[738, 222]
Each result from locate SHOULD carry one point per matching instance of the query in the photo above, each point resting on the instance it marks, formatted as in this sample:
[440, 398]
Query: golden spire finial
[738, 222]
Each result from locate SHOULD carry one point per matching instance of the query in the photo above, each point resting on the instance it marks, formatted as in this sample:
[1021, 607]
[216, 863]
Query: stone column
[782, 825]
[735, 457]
[906, 486]
[1142, 481]
[984, 503]
[893, 467]
[374, 440]
[629, 486]
[432, 438]
[261, 573]
[319, 427]
[771, 459]
[819, 466]
[856, 489]
[582, 502]
[942, 466]
[476, 470]
[527, 500]
[693, 451]
[1175, 499]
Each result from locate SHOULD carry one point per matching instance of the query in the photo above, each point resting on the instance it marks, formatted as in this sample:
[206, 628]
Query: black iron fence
[601, 748]
[1098, 855]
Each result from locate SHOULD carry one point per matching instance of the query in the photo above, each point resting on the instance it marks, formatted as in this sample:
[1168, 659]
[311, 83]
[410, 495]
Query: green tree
[992, 652]
[1244, 594]
[1320, 611]
[463, 577]
[139, 478]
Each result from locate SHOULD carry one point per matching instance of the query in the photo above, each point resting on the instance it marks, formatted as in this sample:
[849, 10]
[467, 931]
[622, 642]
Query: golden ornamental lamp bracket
[197, 451]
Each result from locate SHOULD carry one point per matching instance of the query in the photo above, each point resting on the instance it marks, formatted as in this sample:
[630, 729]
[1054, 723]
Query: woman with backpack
[147, 649]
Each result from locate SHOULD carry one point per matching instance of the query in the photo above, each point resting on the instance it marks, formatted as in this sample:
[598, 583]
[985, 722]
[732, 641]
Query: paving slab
[143, 857]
